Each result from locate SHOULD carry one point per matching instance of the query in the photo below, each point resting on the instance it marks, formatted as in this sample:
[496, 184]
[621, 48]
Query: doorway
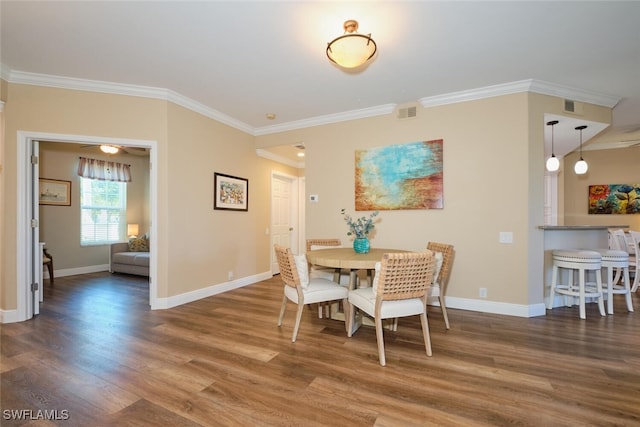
[27, 203]
[285, 214]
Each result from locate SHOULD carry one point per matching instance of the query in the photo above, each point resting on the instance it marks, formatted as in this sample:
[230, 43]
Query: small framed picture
[54, 192]
[230, 192]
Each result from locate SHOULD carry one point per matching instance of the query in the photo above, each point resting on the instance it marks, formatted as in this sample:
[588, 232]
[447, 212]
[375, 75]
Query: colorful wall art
[405, 176]
[614, 199]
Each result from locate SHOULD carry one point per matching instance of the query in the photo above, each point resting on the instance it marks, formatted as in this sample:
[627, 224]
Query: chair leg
[297, 326]
[581, 297]
[425, 333]
[282, 309]
[599, 288]
[380, 339]
[627, 295]
[444, 311]
[347, 316]
[50, 268]
[610, 282]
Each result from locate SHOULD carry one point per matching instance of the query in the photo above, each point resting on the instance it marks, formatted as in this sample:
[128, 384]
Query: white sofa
[121, 260]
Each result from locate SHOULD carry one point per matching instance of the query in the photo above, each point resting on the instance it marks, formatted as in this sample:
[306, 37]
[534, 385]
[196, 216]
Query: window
[103, 206]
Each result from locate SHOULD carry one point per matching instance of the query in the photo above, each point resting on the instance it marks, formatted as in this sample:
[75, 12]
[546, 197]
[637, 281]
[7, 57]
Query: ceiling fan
[114, 149]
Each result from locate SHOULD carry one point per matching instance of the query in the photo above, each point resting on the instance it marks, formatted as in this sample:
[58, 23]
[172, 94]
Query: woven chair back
[447, 260]
[322, 242]
[405, 275]
[287, 266]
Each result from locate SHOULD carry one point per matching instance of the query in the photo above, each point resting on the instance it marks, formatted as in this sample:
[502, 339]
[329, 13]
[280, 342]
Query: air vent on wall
[407, 113]
[573, 107]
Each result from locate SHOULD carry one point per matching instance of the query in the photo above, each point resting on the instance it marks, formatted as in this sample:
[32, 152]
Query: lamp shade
[132, 230]
[351, 49]
[581, 167]
[553, 164]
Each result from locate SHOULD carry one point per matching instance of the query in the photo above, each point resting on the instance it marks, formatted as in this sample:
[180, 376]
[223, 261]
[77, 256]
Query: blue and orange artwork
[404, 176]
[614, 199]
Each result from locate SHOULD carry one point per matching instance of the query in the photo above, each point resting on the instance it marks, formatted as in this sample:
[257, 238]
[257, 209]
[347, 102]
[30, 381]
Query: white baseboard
[187, 297]
[75, 271]
[9, 316]
[494, 307]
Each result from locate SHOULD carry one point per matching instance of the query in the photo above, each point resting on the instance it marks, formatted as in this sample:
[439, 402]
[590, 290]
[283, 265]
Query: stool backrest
[618, 240]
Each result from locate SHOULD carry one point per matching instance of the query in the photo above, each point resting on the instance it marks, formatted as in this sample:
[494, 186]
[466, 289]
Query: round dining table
[348, 259]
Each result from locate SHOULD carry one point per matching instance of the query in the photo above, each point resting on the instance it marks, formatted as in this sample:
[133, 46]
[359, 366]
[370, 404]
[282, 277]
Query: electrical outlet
[482, 293]
[230, 275]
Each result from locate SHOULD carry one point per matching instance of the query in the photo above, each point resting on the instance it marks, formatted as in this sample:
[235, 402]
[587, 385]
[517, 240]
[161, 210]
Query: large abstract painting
[404, 176]
[614, 199]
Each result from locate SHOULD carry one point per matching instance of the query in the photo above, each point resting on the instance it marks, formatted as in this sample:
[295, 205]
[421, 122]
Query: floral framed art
[54, 192]
[230, 192]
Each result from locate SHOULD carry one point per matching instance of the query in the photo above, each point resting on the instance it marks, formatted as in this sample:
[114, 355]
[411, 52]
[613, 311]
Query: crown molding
[364, 113]
[535, 86]
[574, 94]
[269, 155]
[21, 77]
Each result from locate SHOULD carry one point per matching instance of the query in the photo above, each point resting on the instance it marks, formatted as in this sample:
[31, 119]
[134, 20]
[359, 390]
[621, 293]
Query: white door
[283, 220]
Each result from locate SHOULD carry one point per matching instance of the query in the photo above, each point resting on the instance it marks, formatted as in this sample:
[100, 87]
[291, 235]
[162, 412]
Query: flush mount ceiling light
[109, 149]
[581, 166]
[351, 49]
[553, 164]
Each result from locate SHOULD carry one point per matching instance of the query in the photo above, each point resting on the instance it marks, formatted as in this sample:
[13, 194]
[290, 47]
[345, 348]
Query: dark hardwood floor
[98, 356]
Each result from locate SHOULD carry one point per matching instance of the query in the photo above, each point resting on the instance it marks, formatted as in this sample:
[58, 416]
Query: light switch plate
[313, 198]
[506, 237]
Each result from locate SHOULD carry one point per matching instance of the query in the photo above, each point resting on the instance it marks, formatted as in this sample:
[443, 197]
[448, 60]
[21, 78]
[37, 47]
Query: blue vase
[361, 245]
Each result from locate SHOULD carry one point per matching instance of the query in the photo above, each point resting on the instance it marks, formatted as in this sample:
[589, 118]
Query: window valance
[103, 170]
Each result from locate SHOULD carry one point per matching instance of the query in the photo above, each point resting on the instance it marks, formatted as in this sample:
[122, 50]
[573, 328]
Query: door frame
[24, 204]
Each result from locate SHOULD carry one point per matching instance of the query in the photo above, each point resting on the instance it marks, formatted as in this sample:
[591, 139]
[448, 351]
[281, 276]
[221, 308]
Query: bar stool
[582, 261]
[615, 259]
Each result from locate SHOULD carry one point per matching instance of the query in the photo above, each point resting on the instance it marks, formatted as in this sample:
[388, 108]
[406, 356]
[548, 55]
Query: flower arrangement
[360, 227]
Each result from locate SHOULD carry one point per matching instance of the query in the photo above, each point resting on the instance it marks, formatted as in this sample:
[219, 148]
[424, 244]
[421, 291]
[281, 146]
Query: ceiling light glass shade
[351, 49]
[581, 167]
[553, 164]
[109, 149]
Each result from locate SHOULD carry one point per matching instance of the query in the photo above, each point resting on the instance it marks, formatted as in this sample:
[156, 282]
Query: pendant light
[553, 164]
[581, 166]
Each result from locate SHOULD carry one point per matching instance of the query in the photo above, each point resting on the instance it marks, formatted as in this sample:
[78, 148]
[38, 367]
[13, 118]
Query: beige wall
[197, 246]
[493, 181]
[60, 225]
[619, 166]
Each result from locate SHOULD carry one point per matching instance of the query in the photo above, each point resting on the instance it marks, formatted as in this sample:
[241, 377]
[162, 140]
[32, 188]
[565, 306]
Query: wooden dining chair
[300, 289]
[328, 273]
[439, 286]
[47, 259]
[399, 290]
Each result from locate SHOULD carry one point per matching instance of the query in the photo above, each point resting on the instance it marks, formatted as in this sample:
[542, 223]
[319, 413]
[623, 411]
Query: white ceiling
[244, 60]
